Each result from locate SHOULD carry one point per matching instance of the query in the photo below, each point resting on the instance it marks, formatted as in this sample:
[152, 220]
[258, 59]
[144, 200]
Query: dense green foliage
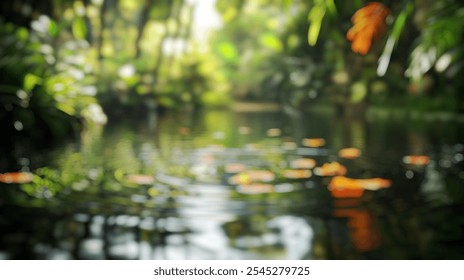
[46, 91]
[62, 60]
[69, 66]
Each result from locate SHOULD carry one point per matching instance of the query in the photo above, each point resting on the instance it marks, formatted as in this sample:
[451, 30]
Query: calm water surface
[228, 185]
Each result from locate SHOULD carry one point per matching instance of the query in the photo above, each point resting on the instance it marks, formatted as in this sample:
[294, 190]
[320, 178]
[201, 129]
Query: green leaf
[53, 29]
[228, 51]
[22, 34]
[271, 41]
[330, 4]
[392, 40]
[358, 92]
[79, 28]
[315, 16]
[66, 108]
[30, 81]
[287, 4]
[401, 20]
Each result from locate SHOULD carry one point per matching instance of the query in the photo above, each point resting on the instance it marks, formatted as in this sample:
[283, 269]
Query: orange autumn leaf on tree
[368, 26]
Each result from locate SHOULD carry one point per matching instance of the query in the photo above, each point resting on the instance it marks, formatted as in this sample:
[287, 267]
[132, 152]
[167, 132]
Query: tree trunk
[89, 33]
[103, 12]
[160, 56]
[141, 25]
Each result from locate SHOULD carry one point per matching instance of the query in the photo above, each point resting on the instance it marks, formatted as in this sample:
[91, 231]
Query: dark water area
[232, 185]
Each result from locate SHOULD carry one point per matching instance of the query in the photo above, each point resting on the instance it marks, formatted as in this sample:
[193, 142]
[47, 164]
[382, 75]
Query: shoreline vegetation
[371, 112]
[68, 64]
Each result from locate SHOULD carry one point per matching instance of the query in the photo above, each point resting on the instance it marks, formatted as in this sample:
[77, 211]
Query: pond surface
[238, 185]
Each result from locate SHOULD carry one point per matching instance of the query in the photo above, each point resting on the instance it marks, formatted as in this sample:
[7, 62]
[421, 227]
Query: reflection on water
[227, 185]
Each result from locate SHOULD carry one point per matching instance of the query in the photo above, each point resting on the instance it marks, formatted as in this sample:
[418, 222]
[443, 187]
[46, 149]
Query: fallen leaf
[313, 142]
[346, 193]
[416, 160]
[369, 24]
[241, 178]
[274, 132]
[349, 153]
[234, 167]
[342, 182]
[261, 175]
[140, 179]
[16, 177]
[303, 163]
[251, 176]
[297, 174]
[330, 169]
[374, 184]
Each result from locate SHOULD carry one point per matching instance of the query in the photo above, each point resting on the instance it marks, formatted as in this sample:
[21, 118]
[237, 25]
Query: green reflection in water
[136, 190]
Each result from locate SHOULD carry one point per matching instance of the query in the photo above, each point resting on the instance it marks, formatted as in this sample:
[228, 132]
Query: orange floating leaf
[303, 163]
[240, 179]
[347, 193]
[349, 153]
[251, 176]
[261, 175]
[234, 167]
[374, 184]
[313, 142]
[140, 179]
[330, 169]
[342, 182]
[274, 132]
[297, 174]
[368, 26]
[16, 177]
[416, 160]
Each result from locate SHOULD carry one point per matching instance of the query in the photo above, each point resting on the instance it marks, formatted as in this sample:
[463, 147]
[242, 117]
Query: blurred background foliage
[102, 70]
[67, 63]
